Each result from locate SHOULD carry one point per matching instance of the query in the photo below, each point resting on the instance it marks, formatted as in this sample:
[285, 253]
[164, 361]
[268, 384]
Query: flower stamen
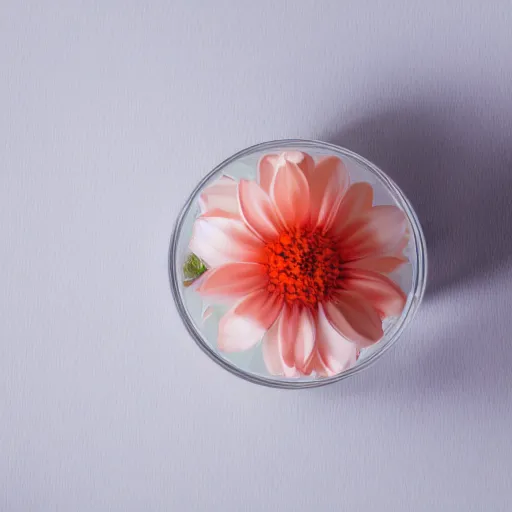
[303, 266]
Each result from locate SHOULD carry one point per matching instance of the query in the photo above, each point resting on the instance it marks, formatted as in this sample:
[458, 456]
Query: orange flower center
[303, 266]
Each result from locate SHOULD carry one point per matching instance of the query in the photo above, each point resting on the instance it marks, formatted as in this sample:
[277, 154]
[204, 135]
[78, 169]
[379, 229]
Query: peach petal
[269, 165]
[380, 291]
[278, 347]
[222, 194]
[385, 264]
[354, 318]
[246, 323]
[218, 212]
[381, 231]
[304, 338]
[335, 352]
[234, 280]
[290, 193]
[328, 183]
[303, 160]
[295, 339]
[357, 201]
[286, 336]
[317, 365]
[271, 353]
[218, 240]
[258, 211]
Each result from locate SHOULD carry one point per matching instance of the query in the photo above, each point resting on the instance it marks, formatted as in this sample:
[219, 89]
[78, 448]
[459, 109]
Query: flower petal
[234, 280]
[221, 194]
[382, 231]
[289, 344]
[335, 352]
[245, 324]
[217, 240]
[303, 160]
[271, 353]
[385, 264]
[380, 291]
[317, 365]
[290, 193]
[267, 167]
[278, 345]
[354, 318]
[286, 336]
[258, 211]
[328, 183]
[304, 338]
[357, 201]
[269, 164]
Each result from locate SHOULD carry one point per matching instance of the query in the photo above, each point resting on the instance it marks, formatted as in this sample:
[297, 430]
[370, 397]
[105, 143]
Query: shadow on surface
[455, 166]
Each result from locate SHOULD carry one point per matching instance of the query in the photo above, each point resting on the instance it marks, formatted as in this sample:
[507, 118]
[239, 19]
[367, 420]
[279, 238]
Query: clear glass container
[249, 364]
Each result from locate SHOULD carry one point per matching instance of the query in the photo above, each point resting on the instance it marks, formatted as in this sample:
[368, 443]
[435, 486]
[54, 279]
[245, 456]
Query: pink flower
[304, 257]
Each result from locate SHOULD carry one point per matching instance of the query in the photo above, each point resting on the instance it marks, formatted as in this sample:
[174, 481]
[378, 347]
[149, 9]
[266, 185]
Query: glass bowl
[202, 320]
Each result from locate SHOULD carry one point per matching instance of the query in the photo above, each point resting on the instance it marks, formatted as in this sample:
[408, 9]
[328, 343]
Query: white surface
[111, 112]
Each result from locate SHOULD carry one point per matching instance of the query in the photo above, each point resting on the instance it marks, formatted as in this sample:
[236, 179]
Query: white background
[110, 113]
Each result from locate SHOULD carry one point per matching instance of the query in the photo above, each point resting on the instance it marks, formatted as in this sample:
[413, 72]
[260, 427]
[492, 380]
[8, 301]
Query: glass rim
[415, 295]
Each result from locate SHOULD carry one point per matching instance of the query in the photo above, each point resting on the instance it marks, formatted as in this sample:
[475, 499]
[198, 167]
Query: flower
[302, 255]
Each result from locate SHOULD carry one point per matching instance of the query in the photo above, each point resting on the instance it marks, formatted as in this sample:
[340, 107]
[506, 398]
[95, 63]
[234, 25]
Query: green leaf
[193, 267]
